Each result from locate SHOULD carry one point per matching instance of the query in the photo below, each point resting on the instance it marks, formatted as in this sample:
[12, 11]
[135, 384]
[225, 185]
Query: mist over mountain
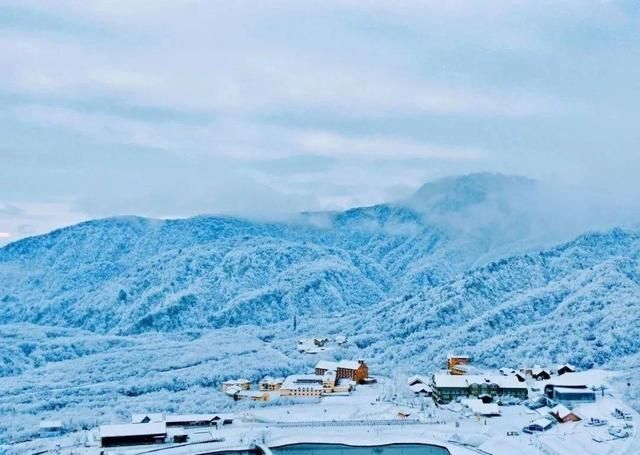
[134, 275]
[112, 316]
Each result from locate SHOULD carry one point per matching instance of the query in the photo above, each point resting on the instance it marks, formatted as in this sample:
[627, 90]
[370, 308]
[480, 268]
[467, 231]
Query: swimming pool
[344, 449]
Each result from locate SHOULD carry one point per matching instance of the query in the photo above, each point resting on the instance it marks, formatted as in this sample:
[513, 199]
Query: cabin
[458, 364]
[198, 420]
[132, 434]
[356, 371]
[563, 414]
[540, 374]
[50, 428]
[421, 389]
[566, 368]
[269, 384]
[447, 387]
[242, 384]
[420, 385]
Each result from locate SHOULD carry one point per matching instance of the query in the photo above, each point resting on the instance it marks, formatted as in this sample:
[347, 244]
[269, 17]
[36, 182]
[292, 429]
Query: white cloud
[30, 218]
[234, 139]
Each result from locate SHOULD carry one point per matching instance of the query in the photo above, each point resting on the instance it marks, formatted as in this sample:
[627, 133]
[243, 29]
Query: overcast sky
[174, 108]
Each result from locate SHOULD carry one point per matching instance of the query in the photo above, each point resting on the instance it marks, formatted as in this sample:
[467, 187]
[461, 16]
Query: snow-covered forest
[112, 316]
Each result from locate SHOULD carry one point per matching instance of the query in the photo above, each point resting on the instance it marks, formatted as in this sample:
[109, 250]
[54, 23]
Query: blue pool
[343, 449]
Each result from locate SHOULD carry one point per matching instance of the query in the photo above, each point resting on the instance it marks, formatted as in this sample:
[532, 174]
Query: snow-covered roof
[455, 381]
[452, 356]
[570, 380]
[251, 393]
[349, 364]
[567, 365]
[561, 411]
[236, 381]
[232, 390]
[543, 422]
[418, 378]
[139, 418]
[132, 429]
[326, 365]
[329, 365]
[50, 424]
[573, 390]
[486, 409]
[270, 380]
[419, 387]
[299, 381]
[537, 369]
[177, 418]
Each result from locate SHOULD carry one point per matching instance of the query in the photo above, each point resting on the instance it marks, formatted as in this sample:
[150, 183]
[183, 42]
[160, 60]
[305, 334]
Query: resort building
[314, 385]
[458, 364]
[303, 385]
[447, 387]
[356, 371]
[269, 384]
[570, 395]
[569, 389]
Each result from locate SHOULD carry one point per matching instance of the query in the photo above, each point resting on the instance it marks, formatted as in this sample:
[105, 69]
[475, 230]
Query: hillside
[578, 302]
[114, 316]
[132, 275]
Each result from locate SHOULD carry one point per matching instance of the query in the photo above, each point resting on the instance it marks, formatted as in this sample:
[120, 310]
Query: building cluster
[320, 344]
[158, 428]
[479, 391]
[328, 378]
[488, 388]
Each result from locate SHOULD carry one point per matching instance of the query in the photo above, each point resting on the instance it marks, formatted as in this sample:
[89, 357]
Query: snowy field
[325, 421]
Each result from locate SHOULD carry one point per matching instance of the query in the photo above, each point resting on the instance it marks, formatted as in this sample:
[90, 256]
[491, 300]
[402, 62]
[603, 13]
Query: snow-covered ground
[328, 420]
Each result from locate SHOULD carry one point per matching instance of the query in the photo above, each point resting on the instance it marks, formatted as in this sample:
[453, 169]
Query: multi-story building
[355, 370]
[447, 387]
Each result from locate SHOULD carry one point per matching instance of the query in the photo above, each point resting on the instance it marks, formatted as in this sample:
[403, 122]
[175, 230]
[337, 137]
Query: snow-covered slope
[132, 275]
[578, 302]
[460, 266]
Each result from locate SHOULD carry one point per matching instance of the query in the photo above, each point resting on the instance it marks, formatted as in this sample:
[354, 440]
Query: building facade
[447, 387]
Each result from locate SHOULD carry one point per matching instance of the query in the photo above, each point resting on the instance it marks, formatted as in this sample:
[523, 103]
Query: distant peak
[451, 194]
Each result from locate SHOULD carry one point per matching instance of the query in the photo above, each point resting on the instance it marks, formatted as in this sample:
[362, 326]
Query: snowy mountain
[132, 275]
[578, 302]
[126, 314]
